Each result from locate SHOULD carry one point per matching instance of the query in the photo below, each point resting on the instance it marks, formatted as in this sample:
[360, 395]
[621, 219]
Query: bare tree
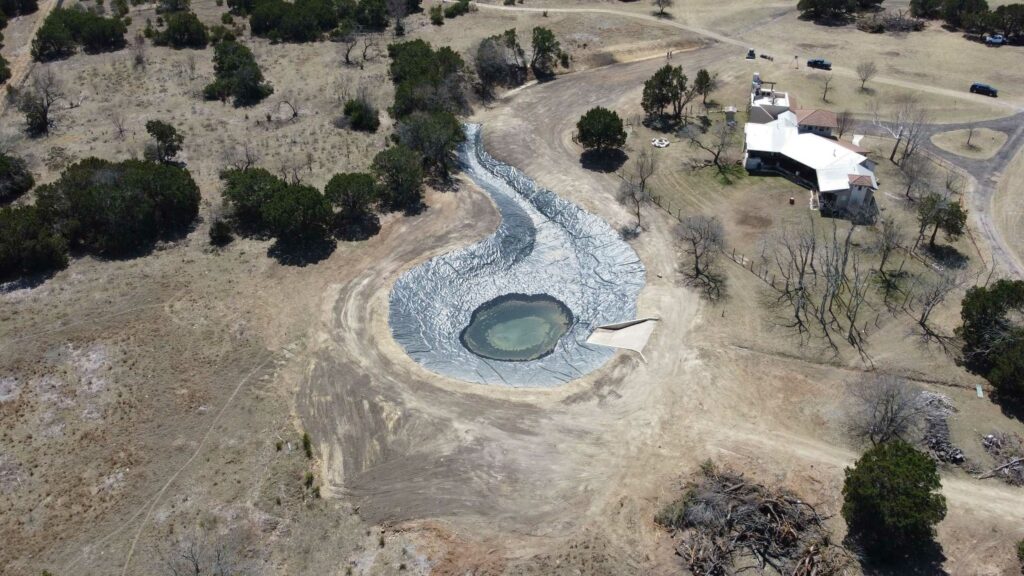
[138, 51]
[703, 240]
[719, 141]
[916, 171]
[198, 555]
[190, 66]
[866, 71]
[288, 100]
[117, 118]
[348, 39]
[36, 101]
[906, 120]
[634, 191]
[844, 122]
[970, 136]
[662, 5]
[398, 9]
[927, 295]
[826, 84]
[890, 239]
[886, 409]
[241, 157]
[370, 47]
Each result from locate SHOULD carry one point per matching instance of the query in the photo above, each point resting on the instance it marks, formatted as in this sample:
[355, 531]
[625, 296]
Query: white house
[798, 143]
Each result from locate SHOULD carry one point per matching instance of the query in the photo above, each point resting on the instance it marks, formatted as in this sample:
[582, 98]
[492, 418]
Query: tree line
[98, 207]
[969, 15]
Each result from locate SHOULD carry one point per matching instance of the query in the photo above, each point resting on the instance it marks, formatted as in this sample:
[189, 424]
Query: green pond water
[516, 327]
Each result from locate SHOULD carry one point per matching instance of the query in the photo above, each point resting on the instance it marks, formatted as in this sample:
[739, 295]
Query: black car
[979, 88]
[819, 63]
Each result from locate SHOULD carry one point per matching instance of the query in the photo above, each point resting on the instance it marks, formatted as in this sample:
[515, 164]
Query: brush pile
[726, 525]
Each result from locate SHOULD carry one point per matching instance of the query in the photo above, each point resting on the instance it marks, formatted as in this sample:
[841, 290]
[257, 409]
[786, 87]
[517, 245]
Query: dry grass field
[158, 400]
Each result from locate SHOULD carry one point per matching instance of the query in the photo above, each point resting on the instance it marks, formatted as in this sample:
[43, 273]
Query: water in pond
[516, 327]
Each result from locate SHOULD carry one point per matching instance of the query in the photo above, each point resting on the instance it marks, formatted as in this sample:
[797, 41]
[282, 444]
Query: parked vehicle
[819, 63]
[985, 89]
[750, 54]
[995, 40]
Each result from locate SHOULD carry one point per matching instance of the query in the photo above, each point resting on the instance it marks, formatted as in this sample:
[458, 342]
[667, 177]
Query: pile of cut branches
[726, 525]
[1008, 450]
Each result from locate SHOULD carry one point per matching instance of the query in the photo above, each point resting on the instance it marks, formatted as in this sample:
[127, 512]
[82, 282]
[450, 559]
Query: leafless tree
[719, 141]
[241, 157]
[826, 84]
[904, 121]
[794, 258]
[929, 294]
[198, 555]
[348, 39]
[970, 136]
[890, 239]
[370, 47]
[37, 100]
[866, 71]
[289, 100]
[844, 122]
[138, 51]
[190, 66]
[886, 409]
[703, 240]
[916, 171]
[117, 118]
[398, 10]
[634, 191]
[662, 5]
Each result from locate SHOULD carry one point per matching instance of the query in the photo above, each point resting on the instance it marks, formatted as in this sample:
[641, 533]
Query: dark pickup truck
[819, 63]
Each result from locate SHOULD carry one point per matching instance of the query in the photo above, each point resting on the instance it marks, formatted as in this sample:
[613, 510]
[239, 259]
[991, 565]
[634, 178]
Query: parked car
[819, 63]
[995, 40]
[750, 54]
[979, 88]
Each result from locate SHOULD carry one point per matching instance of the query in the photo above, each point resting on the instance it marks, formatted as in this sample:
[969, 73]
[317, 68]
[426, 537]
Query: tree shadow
[662, 15]
[1010, 406]
[302, 253]
[946, 255]
[603, 160]
[28, 282]
[830, 22]
[926, 560]
[356, 229]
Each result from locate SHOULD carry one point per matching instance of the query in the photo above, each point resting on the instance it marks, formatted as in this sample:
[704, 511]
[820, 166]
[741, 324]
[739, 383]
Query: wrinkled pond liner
[543, 245]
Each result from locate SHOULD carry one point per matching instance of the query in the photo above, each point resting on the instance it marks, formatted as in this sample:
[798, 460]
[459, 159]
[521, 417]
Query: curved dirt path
[21, 66]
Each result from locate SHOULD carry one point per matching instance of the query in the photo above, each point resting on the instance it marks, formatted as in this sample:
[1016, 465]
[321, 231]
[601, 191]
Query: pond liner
[544, 245]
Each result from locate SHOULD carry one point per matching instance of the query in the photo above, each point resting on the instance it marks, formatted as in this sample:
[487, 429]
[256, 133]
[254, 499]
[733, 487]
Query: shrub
[425, 79]
[435, 135]
[361, 115]
[354, 196]
[66, 29]
[307, 445]
[15, 179]
[600, 130]
[5, 70]
[372, 14]
[993, 335]
[889, 499]
[222, 235]
[246, 191]
[118, 208]
[184, 30]
[437, 15]
[400, 171]
[456, 9]
[238, 76]
[12, 8]
[28, 243]
[1020, 552]
[168, 141]
[220, 34]
[297, 214]
[227, 18]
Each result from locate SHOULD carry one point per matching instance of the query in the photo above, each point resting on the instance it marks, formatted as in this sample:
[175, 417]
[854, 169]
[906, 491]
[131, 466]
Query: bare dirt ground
[145, 399]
